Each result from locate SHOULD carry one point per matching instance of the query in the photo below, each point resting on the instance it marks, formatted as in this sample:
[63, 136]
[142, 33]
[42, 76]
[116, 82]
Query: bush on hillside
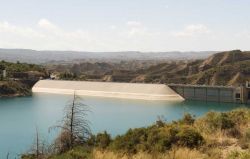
[240, 116]
[187, 119]
[189, 137]
[130, 141]
[226, 121]
[229, 123]
[103, 140]
[13, 88]
[157, 139]
[161, 121]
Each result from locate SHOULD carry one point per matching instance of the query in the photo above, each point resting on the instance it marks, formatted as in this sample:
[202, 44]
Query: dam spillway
[107, 89]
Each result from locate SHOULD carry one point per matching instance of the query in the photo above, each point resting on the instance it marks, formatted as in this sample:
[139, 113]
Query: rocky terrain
[225, 68]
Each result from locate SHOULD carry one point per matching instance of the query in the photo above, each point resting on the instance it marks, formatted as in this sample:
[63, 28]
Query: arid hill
[225, 68]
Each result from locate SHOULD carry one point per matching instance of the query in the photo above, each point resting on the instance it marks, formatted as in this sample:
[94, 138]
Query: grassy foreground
[213, 136]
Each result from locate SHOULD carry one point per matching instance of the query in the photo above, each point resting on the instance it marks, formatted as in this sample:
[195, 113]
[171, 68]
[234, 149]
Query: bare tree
[39, 149]
[75, 126]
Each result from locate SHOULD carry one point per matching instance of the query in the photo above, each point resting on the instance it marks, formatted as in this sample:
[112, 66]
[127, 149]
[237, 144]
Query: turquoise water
[19, 117]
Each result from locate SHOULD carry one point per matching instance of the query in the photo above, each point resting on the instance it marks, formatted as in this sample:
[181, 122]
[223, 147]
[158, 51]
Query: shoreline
[15, 95]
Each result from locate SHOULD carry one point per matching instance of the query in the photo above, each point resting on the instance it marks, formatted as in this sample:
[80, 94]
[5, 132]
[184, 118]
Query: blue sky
[121, 25]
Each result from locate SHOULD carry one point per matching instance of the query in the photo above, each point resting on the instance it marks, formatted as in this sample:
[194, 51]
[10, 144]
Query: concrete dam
[225, 94]
[108, 89]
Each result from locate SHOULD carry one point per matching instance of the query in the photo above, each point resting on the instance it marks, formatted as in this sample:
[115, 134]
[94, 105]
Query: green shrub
[187, 119]
[160, 122]
[214, 121]
[211, 122]
[226, 121]
[157, 139]
[130, 140]
[240, 116]
[92, 140]
[189, 137]
[103, 140]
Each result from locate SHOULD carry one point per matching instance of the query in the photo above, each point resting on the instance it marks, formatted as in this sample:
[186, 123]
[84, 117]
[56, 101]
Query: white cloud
[166, 6]
[134, 24]
[133, 35]
[45, 35]
[113, 27]
[5, 27]
[136, 29]
[193, 30]
[46, 24]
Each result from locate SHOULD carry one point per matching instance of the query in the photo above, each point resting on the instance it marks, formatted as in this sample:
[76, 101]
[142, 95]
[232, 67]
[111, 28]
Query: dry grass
[180, 153]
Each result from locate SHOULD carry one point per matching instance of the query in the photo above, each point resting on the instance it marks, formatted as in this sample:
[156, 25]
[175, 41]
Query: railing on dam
[206, 93]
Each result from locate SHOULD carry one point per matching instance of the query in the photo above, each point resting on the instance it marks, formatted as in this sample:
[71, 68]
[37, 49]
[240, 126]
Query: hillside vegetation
[216, 135]
[14, 88]
[27, 75]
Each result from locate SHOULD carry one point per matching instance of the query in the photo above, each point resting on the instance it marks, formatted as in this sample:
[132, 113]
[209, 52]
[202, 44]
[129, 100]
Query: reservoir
[20, 117]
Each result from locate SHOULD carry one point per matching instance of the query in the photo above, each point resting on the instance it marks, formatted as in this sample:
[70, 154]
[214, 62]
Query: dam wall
[108, 89]
[207, 93]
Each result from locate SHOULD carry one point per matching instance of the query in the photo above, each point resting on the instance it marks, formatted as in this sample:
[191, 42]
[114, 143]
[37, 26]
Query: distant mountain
[225, 68]
[39, 57]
